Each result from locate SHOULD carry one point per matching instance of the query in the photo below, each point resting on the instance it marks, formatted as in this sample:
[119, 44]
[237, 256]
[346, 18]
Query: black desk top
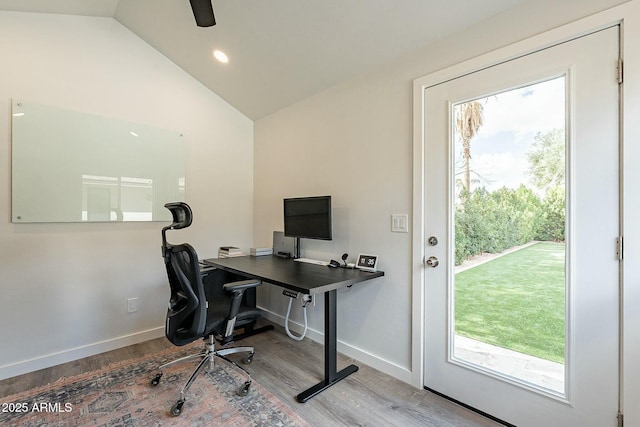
[302, 277]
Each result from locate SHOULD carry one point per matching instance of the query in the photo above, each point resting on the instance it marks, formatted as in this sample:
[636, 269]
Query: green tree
[547, 171]
[551, 220]
[493, 222]
[546, 159]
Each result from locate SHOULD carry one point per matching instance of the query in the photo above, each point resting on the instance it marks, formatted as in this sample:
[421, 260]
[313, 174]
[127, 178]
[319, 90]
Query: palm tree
[468, 120]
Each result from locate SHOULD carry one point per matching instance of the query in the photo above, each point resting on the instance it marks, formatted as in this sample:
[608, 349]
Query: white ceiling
[281, 51]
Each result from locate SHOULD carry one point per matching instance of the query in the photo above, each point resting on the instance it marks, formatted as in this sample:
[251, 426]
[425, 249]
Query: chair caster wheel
[156, 380]
[244, 390]
[247, 360]
[177, 408]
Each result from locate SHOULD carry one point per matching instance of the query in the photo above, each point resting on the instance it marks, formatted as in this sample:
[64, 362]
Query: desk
[309, 279]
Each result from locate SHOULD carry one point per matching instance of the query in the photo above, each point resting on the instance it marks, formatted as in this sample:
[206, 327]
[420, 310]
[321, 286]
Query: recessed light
[133, 133]
[221, 56]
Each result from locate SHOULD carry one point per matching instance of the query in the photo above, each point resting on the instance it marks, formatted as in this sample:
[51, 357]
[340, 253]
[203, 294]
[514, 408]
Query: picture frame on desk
[367, 262]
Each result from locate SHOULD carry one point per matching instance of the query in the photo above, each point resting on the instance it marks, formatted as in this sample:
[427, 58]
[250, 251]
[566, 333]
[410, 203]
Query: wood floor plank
[286, 367]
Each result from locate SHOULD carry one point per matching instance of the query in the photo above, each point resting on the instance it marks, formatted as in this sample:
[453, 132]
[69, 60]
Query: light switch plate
[400, 223]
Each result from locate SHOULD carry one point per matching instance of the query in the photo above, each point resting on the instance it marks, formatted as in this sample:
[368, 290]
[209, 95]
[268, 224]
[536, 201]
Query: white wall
[348, 144]
[354, 141]
[64, 286]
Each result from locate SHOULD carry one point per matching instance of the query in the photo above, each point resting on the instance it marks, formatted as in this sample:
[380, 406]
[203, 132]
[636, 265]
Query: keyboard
[311, 261]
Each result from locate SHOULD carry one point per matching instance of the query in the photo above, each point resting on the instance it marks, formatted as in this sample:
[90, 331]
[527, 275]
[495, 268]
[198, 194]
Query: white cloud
[535, 108]
[497, 170]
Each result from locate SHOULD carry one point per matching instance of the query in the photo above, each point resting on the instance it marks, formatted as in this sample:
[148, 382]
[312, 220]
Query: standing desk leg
[331, 376]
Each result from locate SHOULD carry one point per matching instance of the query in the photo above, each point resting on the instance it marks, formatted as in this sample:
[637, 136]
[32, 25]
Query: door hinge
[620, 69]
[620, 419]
[619, 248]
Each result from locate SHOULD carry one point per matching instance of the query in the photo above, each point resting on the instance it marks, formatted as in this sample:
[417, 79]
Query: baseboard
[376, 362]
[48, 360]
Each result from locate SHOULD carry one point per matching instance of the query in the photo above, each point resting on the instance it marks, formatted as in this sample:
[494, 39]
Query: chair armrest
[241, 285]
[237, 289]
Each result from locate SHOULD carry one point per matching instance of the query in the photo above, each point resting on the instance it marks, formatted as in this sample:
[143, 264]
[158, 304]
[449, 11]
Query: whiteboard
[70, 166]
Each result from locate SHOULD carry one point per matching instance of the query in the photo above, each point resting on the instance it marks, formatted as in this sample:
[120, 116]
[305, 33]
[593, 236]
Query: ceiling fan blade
[203, 12]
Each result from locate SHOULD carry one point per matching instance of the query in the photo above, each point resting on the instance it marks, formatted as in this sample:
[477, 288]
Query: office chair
[192, 316]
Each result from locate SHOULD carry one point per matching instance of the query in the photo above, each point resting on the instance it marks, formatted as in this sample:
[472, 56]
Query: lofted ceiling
[281, 51]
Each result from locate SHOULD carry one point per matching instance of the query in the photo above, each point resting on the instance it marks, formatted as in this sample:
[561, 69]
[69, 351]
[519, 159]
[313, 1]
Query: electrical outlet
[132, 305]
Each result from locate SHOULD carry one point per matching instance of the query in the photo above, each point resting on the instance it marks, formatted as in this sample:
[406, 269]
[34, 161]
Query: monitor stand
[296, 249]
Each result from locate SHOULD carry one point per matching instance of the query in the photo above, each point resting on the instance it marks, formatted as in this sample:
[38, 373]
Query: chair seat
[217, 315]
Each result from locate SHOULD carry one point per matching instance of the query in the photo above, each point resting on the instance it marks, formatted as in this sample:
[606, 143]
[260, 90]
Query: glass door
[509, 234]
[521, 195]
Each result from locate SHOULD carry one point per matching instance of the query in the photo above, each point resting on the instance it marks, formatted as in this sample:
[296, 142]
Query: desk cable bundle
[306, 300]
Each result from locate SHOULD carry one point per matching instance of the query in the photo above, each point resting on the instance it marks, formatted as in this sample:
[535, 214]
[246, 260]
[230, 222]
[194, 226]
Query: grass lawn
[516, 301]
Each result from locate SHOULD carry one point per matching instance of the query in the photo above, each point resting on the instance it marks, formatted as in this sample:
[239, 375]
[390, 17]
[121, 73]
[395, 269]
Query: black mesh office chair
[192, 316]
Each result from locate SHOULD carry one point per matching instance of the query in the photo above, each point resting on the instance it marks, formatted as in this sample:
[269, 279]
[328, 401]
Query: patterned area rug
[121, 395]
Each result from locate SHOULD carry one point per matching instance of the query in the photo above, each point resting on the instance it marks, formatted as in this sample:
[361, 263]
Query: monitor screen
[308, 217]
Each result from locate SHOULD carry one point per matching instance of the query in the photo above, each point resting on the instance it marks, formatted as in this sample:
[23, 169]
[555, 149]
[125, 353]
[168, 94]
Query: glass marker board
[70, 166]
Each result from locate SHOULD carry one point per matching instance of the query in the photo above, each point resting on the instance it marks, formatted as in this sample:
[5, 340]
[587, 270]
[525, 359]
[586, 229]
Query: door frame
[628, 17]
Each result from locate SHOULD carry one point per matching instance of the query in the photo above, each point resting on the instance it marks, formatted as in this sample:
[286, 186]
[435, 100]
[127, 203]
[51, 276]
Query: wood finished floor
[286, 367]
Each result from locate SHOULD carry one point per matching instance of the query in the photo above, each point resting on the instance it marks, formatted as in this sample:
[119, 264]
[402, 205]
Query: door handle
[432, 262]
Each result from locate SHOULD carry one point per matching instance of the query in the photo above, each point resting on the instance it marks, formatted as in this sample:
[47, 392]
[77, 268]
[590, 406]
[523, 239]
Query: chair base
[207, 362]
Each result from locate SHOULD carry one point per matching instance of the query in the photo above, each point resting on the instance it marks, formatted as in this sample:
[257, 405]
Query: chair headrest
[182, 215]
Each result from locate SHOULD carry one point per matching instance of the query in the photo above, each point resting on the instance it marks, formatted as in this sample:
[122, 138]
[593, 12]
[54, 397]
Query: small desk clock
[367, 262]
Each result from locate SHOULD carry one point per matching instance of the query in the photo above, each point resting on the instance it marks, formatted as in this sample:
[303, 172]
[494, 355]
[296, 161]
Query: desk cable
[306, 300]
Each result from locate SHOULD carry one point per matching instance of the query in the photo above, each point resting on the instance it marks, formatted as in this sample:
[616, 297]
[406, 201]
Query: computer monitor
[308, 218]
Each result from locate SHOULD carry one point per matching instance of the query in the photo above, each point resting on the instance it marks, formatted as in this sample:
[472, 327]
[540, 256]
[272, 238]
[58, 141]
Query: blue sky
[511, 120]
